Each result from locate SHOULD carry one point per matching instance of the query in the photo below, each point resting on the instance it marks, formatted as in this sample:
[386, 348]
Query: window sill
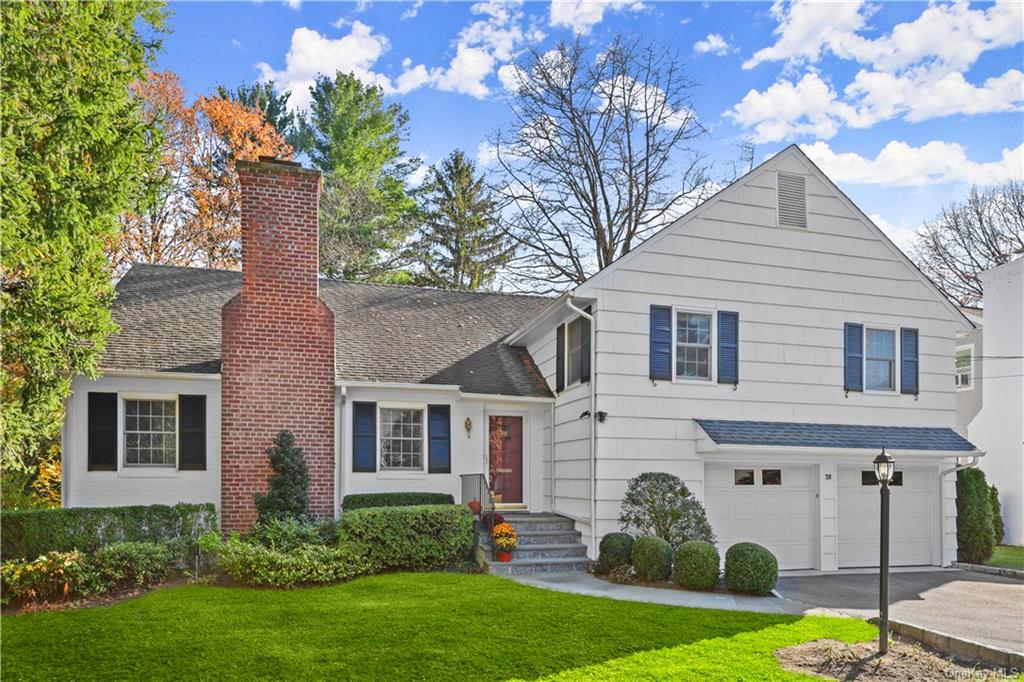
[868, 391]
[695, 382]
[155, 472]
[400, 475]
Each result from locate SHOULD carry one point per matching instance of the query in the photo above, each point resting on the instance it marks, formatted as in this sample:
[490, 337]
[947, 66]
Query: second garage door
[912, 519]
[773, 506]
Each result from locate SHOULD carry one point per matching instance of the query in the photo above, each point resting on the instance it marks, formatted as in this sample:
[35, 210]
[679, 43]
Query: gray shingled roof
[170, 321]
[851, 436]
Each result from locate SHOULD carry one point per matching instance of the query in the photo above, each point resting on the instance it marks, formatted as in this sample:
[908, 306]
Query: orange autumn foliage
[189, 212]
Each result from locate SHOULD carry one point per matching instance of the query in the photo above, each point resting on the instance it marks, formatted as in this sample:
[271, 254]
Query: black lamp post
[885, 467]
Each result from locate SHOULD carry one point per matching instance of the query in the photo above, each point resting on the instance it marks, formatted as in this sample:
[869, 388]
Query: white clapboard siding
[793, 287]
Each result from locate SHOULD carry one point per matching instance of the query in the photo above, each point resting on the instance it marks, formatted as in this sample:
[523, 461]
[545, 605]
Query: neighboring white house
[764, 347]
[990, 388]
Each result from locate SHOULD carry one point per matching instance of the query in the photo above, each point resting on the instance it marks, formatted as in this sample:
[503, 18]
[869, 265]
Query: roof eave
[707, 446]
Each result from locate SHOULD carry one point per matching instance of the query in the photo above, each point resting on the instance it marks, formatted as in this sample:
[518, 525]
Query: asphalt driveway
[974, 606]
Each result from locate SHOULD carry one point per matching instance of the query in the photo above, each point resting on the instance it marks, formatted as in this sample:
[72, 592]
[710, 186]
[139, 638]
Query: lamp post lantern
[885, 467]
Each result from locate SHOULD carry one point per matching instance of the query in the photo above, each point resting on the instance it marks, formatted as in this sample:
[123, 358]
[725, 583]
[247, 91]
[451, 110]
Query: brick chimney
[277, 342]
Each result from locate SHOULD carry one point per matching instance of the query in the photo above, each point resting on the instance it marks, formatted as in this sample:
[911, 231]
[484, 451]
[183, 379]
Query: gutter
[593, 421]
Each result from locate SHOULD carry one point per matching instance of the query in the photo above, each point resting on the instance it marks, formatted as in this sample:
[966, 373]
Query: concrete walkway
[585, 583]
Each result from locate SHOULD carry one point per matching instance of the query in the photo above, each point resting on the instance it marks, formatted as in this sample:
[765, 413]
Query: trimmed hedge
[366, 500]
[29, 533]
[696, 565]
[417, 537]
[252, 564]
[652, 558]
[615, 550]
[750, 568]
[975, 534]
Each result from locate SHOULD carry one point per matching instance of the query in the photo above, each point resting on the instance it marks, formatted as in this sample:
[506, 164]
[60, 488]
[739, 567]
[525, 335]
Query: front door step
[547, 543]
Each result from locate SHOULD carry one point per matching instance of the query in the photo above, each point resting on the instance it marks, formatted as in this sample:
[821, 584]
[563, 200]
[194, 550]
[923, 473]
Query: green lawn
[1008, 556]
[403, 626]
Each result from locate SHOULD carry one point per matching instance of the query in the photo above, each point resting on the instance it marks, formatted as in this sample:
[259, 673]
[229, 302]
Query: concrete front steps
[547, 543]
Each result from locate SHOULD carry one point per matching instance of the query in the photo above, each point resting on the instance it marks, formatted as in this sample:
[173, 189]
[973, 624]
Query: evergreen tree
[288, 489]
[366, 210]
[461, 245]
[73, 155]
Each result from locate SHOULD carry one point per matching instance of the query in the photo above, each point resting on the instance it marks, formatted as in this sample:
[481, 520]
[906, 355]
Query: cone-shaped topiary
[975, 536]
[750, 568]
[997, 515]
[652, 558]
[616, 550]
[288, 489]
[696, 565]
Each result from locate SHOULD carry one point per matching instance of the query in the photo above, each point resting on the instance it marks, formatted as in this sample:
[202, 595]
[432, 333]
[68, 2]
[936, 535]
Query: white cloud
[901, 165]
[713, 44]
[413, 10]
[236, 43]
[312, 53]
[582, 15]
[786, 110]
[465, 73]
[293, 4]
[486, 153]
[509, 75]
[341, 22]
[951, 34]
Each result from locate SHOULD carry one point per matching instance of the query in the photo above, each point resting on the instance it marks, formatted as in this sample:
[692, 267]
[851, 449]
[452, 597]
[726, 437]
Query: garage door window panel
[771, 476]
[743, 477]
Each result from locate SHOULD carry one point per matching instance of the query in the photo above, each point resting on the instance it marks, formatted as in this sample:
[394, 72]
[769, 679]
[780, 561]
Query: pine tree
[461, 245]
[288, 489]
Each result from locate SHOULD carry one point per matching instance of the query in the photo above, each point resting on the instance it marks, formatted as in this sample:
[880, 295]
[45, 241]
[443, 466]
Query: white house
[990, 388]
[764, 347]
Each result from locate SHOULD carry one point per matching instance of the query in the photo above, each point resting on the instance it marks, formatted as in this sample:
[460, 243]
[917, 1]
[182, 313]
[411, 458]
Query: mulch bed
[906, 660]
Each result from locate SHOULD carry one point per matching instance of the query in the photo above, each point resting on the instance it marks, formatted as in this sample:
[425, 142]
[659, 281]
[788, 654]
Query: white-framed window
[574, 351]
[965, 367]
[692, 350]
[750, 476]
[879, 359]
[150, 431]
[402, 436]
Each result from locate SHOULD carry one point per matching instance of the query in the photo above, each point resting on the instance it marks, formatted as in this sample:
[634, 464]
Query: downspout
[593, 421]
[942, 498]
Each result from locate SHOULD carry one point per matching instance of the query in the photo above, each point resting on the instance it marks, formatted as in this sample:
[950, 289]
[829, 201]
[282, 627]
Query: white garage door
[773, 506]
[912, 518]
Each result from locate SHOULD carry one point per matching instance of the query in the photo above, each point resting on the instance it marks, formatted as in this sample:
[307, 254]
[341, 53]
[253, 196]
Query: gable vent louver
[792, 198]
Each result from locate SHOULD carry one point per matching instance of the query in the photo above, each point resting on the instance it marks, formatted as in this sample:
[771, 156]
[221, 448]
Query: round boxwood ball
[696, 565]
[615, 550]
[652, 558]
[750, 568]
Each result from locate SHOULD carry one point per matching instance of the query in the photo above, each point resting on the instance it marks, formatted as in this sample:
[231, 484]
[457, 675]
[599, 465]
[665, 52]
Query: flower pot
[504, 556]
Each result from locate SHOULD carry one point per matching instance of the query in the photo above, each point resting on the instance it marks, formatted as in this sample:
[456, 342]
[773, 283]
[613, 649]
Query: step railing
[475, 487]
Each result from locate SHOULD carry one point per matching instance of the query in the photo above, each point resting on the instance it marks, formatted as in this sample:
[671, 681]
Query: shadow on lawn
[393, 627]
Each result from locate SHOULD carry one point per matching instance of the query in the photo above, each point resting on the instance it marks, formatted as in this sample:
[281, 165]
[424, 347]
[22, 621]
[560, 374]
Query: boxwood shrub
[365, 500]
[417, 537]
[652, 558]
[750, 568]
[696, 565]
[29, 533]
[615, 550]
[250, 563]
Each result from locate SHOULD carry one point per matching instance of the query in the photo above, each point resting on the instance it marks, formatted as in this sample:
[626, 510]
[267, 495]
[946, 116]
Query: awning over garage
[936, 440]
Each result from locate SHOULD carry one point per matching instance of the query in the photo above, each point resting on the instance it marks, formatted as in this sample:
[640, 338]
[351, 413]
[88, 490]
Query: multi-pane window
[574, 351]
[401, 438]
[963, 368]
[693, 345]
[150, 432]
[880, 359]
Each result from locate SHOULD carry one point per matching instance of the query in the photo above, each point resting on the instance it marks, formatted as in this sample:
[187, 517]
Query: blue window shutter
[439, 449]
[854, 357]
[560, 358]
[661, 342]
[728, 347]
[908, 362]
[364, 436]
[585, 349]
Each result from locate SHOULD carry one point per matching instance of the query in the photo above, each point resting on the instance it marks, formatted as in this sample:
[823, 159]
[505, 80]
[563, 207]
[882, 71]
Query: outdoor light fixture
[468, 425]
[885, 467]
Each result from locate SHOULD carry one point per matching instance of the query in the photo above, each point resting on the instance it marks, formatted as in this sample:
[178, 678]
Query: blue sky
[903, 104]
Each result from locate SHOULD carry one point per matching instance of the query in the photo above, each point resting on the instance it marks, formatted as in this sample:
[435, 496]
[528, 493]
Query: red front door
[506, 450]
